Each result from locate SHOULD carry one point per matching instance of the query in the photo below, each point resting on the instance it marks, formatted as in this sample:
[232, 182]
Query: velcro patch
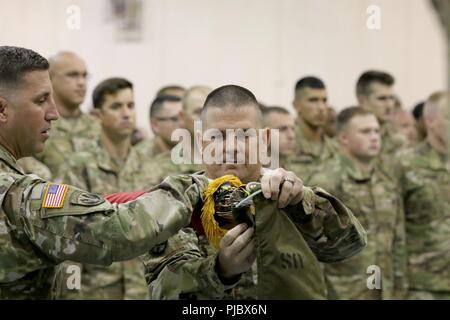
[54, 196]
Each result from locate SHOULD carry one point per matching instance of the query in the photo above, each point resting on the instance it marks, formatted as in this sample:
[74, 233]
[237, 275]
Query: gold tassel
[213, 231]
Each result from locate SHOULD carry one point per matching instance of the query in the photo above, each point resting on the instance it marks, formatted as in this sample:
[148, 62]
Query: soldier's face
[380, 101]
[193, 109]
[405, 125]
[311, 106]
[230, 117]
[285, 123]
[166, 121]
[117, 114]
[362, 137]
[69, 79]
[28, 114]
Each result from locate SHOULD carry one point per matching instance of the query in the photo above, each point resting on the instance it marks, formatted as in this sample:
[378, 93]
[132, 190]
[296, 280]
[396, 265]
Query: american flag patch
[54, 196]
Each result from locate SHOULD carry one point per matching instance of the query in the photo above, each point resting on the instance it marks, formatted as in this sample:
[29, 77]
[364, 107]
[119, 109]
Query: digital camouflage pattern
[376, 202]
[96, 171]
[31, 165]
[309, 155]
[68, 136]
[426, 188]
[184, 267]
[87, 229]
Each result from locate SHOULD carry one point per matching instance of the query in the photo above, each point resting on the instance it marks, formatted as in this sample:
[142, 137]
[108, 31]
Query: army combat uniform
[43, 224]
[32, 165]
[96, 171]
[426, 191]
[320, 228]
[309, 155]
[68, 137]
[376, 202]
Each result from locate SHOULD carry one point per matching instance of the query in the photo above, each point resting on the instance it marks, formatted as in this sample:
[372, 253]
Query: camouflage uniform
[184, 266]
[308, 155]
[95, 171]
[426, 189]
[32, 165]
[148, 147]
[376, 202]
[87, 228]
[67, 137]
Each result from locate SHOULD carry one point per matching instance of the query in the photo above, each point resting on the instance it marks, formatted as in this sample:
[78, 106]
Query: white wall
[265, 45]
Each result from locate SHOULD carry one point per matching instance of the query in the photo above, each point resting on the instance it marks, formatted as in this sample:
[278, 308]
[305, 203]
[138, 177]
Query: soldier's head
[310, 102]
[26, 103]
[358, 133]
[375, 92]
[417, 113]
[165, 117]
[113, 102]
[330, 125]
[403, 124]
[172, 90]
[232, 107]
[437, 116]
[279, 118]
[69, 77]
[193, 102]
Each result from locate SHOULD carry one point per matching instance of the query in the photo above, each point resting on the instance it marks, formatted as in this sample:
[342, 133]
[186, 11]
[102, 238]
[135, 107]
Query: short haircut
[15, 62]
[108, 86]
[347, 114]
[194, 90]
[274, 109]
[233, 95]
[434, 103]
[158, 103]
[309, 82]
[367, 78]
[417, 111]
[163, 90]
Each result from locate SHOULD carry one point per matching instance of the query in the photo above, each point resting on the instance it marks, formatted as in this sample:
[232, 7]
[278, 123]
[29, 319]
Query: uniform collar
[9, 160]
[353, 171]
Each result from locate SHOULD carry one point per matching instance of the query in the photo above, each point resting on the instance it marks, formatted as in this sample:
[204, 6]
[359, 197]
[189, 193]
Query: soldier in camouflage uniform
[356, 179]
[183, 267]
[108, 166]
[312, 145]
[160, 162]
[42, 223]
[425, 180]
[69, 79]
[375, 93]
[164, 119]
[282, 120]
[32, 165]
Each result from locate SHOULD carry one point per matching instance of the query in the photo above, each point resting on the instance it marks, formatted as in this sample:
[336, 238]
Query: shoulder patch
[54, 196]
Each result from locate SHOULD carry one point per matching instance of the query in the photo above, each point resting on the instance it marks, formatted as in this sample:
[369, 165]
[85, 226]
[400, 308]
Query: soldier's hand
[237, 251]
[283, 186]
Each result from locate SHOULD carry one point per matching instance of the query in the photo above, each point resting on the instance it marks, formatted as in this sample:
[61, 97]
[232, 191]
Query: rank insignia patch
[54, 196]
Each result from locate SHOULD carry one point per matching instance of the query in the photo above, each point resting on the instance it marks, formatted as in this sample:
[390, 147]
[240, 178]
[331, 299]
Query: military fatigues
[309, 155]
[32, 165]
[184, 267]
[87, 228]
[68, 136]
[95, 171]
[376, 202]
[426, 190]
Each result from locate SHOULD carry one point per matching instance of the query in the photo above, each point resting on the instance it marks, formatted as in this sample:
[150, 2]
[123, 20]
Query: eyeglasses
[172, 119]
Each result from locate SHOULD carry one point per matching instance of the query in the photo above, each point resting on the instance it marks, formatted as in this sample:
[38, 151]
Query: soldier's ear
[3, 110]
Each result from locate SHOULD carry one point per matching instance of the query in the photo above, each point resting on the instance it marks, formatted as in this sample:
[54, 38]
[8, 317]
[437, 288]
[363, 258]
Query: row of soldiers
[389, 188]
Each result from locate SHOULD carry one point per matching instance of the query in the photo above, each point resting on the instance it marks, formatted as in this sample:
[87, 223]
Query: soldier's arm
[179, 269]
[400, 256]
[330, 228]
[88, 228]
